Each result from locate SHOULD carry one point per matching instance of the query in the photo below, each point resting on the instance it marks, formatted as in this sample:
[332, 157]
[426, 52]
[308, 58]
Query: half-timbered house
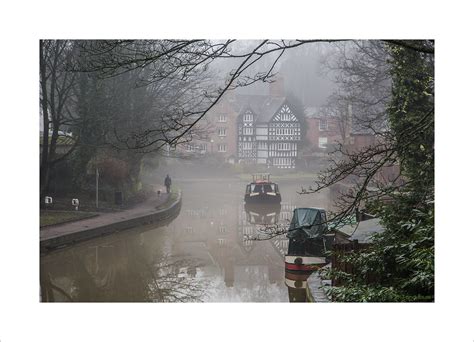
[268, 132]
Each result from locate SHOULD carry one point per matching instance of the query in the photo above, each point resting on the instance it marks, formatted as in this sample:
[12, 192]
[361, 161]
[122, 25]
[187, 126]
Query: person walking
[168, 183]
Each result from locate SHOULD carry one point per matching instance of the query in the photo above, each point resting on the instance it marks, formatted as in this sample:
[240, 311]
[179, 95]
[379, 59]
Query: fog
[224, 139]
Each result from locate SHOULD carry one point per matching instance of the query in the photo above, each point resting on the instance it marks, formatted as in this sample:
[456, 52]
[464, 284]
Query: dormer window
[248, 117]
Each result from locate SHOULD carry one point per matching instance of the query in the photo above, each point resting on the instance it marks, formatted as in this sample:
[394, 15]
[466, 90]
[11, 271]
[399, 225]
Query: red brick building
[322, 131]
[221, 131]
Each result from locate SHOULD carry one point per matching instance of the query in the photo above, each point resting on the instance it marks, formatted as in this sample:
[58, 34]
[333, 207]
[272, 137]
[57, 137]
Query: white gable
[285, 114]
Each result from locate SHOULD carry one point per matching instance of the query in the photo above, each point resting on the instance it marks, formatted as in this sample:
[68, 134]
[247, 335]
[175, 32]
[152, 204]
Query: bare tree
[182, 63]
[365, 83]
[176, 70]
[56, 92]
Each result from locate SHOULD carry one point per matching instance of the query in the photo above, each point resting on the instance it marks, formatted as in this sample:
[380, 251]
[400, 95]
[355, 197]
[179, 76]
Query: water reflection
[262, 213]
[297, 286]
[125, 268]
[202, 255]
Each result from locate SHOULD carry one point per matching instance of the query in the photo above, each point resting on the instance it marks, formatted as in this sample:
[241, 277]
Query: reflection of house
[216, 234]
[249, 223]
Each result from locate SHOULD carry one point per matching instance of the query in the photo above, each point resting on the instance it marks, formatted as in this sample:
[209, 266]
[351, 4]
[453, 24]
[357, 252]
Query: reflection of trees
[170, 284]
[126, 269]
[297, 295]
[48, 289]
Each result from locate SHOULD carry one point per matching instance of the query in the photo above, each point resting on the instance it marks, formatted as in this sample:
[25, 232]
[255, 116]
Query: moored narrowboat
[307, 241]
[262, 190]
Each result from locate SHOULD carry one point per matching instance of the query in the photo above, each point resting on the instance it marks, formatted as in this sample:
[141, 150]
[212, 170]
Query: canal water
[203, 255]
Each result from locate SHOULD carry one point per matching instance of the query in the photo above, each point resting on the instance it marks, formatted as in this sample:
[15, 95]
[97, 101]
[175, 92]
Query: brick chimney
[277, 87]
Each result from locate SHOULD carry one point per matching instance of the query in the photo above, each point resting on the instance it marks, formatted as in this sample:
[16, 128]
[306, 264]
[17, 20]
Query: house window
[221, 147]
[248, 117]
[323, 142]
[221, 132]
[323, 124]
[285, 131]
[222, 118]
[248, 130]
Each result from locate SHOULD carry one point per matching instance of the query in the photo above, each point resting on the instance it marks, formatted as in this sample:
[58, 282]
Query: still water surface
[201, 256]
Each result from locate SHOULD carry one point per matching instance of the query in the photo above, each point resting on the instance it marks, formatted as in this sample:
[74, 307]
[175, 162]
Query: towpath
[104, 219]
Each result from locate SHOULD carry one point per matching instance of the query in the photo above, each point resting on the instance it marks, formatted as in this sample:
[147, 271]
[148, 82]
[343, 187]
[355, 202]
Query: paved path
[142, 209]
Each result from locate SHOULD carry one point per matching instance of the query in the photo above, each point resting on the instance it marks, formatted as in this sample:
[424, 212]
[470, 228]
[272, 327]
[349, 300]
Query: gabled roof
[263, 106]
[269, 108]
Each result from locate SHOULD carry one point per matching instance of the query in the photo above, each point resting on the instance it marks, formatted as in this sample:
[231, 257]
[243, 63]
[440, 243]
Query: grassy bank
[50, 217]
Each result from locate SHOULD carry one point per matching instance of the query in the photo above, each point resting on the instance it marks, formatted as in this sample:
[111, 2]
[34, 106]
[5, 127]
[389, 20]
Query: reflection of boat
[296, 280]
[261, 213]
[262, 190]
[307, 246]
[297, 286]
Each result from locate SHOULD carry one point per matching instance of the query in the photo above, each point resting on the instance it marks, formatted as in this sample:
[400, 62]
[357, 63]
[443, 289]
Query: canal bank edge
[170, 211]
[315, 290]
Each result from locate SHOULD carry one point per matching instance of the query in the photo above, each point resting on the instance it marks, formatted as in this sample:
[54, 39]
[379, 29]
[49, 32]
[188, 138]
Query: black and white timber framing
[268, 133]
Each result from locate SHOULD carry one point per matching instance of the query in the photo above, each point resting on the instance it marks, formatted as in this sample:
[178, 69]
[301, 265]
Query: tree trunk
[44, 166]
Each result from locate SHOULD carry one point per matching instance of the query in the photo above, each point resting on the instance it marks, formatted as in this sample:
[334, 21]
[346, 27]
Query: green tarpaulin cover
[307, 223]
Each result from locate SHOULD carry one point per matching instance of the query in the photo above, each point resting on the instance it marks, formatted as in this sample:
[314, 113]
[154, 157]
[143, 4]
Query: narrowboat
[262, 190]
[308, 242]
